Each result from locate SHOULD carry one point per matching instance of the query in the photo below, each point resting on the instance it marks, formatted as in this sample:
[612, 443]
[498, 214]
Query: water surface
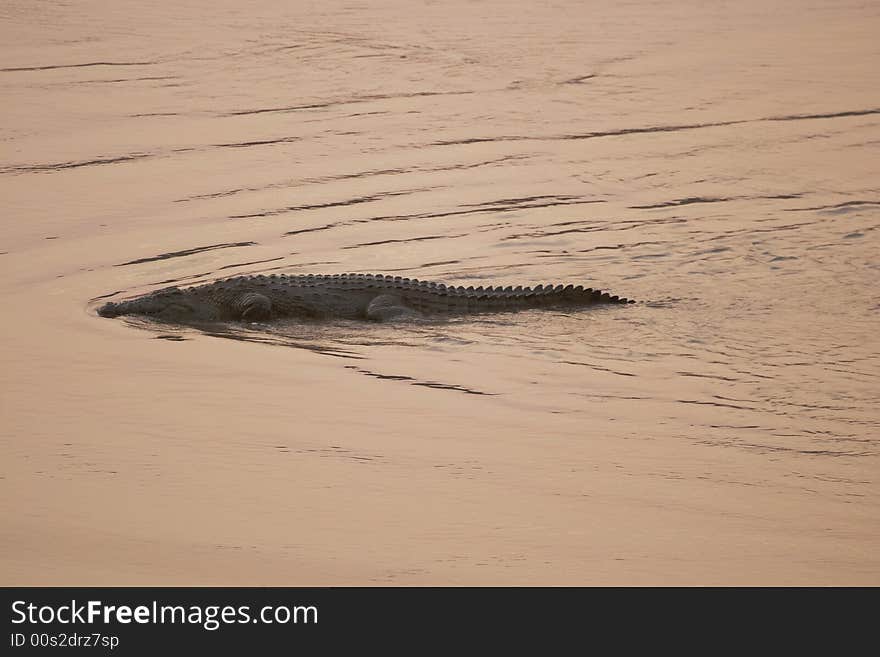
[716, 162]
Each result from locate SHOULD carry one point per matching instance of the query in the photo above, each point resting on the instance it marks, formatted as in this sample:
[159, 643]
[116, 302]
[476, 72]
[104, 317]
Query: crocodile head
[171, 304]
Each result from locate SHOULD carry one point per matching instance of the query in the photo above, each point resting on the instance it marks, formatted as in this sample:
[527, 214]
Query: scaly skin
[350, 296]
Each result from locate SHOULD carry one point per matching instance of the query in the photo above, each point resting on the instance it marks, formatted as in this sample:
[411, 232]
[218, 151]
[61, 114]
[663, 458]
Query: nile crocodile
[351, 296]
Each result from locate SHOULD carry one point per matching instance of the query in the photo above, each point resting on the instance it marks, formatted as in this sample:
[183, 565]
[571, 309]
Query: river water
[717, 162]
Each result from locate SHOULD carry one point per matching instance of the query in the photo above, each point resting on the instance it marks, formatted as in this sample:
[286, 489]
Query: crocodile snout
[108, 310]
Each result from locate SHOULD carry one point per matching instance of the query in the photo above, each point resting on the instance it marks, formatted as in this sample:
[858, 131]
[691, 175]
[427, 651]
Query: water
[717, 163]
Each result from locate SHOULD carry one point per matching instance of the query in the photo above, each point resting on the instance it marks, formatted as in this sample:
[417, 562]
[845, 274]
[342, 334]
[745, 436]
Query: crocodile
[349, 296]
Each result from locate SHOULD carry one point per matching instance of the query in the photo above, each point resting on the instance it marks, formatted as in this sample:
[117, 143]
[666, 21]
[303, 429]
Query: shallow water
[717, 163]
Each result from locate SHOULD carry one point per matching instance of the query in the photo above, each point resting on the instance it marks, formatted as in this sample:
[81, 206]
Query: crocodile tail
[574, 295]
[580, 295]
[501, 298]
